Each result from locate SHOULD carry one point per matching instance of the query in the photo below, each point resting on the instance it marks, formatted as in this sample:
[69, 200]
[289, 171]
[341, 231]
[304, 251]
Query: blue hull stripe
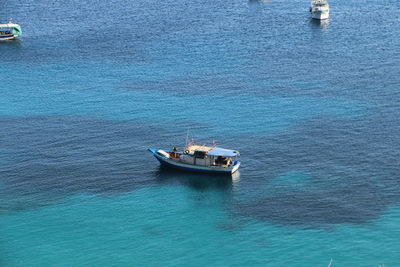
[6, 36]
[189, 169]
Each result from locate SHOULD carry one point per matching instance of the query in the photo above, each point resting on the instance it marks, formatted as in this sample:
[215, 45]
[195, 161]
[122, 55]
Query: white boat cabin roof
[8, 25]
[193, 148]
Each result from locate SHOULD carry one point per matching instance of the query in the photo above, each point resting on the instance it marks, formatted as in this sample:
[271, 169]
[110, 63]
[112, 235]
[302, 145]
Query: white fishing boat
[319, 9]
[199, 158]
[9, 31]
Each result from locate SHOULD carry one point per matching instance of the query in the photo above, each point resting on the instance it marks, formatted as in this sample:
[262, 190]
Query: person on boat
[174, 153]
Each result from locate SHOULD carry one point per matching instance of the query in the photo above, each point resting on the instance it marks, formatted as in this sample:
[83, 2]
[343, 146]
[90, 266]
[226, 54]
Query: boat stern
[235, 167]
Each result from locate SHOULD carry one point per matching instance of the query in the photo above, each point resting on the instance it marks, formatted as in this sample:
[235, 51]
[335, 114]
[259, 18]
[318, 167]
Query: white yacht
[9, 31]
[319, 9]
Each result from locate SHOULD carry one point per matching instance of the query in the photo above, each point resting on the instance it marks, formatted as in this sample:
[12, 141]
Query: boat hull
[320, 14]
[7, 37]
[194, 168]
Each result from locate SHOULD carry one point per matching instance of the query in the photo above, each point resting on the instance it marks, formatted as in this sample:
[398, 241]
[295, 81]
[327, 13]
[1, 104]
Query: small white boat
[9, 31]
[199, 158]
[319, 9]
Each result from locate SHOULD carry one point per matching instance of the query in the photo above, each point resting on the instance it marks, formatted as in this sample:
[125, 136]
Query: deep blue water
[312, 107]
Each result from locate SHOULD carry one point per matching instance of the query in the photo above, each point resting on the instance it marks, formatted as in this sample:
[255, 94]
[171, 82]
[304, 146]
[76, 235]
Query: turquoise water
[312, 107]
[177, 226]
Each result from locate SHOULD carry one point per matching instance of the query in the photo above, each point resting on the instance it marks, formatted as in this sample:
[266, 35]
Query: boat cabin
[208, 156]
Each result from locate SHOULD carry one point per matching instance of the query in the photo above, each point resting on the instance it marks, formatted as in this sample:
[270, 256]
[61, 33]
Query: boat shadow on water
[197, 181]
[10, 43]
[319, 24]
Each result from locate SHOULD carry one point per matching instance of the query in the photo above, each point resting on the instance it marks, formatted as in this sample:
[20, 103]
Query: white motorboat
[199, 158]
[9, 31]
[319, 9]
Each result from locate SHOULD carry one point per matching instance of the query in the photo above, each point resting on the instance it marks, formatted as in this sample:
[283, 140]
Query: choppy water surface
[312, 107]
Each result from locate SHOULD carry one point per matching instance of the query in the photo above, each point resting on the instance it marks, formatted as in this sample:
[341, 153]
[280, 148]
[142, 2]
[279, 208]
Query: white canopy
[9, 25]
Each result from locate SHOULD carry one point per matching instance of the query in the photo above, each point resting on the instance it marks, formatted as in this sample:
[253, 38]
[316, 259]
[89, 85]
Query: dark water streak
[353, 163]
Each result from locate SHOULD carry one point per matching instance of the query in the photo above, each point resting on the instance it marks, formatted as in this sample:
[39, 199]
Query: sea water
[312, 107]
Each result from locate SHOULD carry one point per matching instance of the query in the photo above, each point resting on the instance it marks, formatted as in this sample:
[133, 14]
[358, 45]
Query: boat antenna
[187, 137]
